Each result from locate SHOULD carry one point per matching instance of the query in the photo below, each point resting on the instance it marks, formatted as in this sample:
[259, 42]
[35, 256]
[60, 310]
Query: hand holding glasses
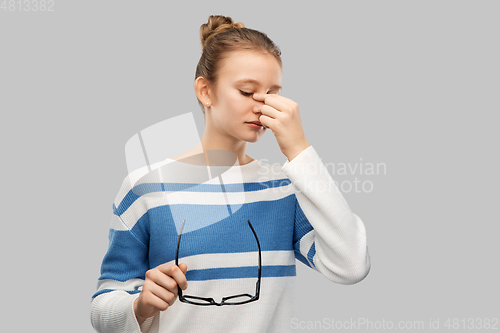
[229, 300]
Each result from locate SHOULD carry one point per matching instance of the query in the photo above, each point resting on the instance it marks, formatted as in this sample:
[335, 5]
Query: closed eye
[246, 93]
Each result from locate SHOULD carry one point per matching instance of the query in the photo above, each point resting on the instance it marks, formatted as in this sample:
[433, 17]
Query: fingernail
[256, 95]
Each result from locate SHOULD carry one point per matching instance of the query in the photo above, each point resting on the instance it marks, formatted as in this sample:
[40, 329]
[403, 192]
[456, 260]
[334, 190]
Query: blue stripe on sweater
[143, 189]
[240, 272]
[274, 230]
[301, 228]
[126, 258]
[302, 225]
[103, 291]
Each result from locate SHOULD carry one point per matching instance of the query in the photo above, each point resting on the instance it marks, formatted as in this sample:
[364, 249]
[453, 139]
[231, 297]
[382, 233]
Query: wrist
[140, 319]
[291, 155]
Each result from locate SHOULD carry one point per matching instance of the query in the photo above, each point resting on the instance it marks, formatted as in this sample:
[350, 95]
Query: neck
[208, 142]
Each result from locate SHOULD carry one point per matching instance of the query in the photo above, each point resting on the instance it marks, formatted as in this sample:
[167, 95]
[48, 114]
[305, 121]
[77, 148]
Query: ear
[203, 92]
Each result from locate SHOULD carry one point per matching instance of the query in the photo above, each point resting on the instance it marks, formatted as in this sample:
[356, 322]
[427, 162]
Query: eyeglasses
[244, 298]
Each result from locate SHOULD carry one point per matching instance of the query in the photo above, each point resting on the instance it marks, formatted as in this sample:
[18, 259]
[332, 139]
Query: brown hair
[220, 36]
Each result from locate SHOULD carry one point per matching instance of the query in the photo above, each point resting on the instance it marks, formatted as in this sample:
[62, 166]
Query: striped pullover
[296, 210]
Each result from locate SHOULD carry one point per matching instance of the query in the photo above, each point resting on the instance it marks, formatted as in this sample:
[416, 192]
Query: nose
[257, 106]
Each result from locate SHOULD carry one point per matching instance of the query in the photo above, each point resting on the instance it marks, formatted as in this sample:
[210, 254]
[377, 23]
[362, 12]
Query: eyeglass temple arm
[178, 243]
[179, 290]
[257, 284]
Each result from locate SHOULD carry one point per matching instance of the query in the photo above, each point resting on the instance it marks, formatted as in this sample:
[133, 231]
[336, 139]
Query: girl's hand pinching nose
[282, 116]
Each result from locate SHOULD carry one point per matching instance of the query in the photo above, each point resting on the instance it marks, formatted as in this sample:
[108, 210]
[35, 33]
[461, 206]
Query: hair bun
[215, 25]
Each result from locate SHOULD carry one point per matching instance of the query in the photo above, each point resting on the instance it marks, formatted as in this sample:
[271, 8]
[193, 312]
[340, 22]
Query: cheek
[239, 104]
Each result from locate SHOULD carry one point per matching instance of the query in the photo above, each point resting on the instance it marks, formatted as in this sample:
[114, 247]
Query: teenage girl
[295, 210]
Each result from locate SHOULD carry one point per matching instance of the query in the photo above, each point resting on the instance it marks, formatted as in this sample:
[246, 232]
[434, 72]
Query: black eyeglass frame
[210, 300]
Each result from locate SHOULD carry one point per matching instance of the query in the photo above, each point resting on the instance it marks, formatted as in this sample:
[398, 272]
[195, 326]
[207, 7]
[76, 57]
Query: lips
[255, 122]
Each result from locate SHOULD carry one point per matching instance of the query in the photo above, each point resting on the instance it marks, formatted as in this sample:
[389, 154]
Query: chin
[252, 140]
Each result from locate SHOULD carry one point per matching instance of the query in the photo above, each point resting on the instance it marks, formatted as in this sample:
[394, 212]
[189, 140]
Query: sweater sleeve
[123, 267]
[328, 236]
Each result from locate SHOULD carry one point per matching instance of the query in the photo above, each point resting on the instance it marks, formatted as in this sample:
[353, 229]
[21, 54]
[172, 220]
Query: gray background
[410, 84]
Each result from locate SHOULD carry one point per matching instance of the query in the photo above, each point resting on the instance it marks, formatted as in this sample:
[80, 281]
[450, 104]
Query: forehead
[259, 67]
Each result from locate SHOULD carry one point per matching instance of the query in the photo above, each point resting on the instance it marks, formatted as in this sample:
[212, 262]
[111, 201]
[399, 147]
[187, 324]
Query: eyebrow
[276, 86]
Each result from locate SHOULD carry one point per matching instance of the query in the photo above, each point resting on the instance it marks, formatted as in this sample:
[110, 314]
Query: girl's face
[241, 75]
